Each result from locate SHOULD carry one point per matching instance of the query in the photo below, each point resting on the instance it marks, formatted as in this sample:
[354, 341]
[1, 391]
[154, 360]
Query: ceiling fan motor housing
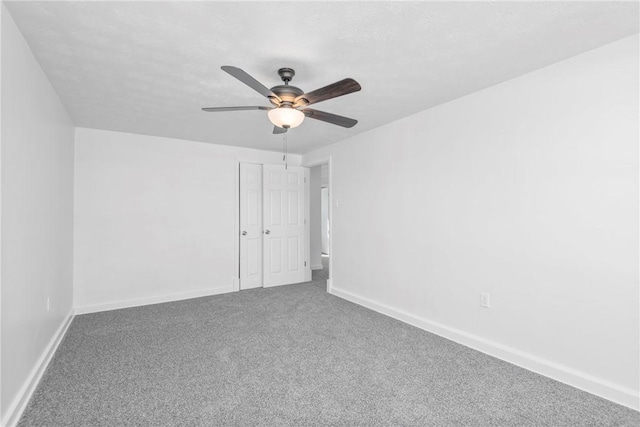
[287, 93]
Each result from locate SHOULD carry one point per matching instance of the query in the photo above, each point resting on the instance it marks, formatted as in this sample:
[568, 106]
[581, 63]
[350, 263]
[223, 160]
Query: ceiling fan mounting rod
[286, 74]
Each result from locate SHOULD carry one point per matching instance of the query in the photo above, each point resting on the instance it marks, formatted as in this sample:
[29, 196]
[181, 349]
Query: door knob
[267, 231]
[244, 233]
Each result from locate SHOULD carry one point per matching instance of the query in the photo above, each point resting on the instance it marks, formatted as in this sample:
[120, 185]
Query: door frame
[309, 164]
[236, 225]
[236, 221]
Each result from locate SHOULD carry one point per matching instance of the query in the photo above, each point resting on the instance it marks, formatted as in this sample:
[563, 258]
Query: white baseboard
[17, 407]
[581, 380]
[316, 266]
[115, 305]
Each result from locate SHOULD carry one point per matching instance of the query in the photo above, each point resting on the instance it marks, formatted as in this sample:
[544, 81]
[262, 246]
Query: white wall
[527, 190]
[315, 225]
[155, 218]
[37, 216]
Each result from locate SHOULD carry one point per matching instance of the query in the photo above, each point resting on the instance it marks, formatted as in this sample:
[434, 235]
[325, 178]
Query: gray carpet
[295, 356]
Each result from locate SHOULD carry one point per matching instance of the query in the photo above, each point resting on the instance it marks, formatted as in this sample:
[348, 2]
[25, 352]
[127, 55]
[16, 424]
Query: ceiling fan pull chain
[286, 151]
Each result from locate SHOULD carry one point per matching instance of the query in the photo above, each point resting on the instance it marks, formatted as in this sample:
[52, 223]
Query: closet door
[250, 226]
[284, 217]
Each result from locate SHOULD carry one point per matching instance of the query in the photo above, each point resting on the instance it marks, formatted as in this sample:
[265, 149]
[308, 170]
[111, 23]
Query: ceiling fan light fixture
[286, 117]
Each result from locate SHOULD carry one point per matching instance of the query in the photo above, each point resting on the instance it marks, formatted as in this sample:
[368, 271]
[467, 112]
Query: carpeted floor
[295, 356]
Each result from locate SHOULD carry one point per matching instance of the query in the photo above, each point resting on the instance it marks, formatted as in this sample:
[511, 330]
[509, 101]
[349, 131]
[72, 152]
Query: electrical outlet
[48, 303]
[485, 300]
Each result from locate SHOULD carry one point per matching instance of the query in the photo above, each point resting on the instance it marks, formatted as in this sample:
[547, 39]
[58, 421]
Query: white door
[285, 205]
[250, 226]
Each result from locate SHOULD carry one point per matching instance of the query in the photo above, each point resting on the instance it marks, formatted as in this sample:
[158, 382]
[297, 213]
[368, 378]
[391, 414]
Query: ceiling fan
[290, 103]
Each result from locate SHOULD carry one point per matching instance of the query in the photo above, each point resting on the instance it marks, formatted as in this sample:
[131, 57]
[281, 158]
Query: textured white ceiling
[148, 67]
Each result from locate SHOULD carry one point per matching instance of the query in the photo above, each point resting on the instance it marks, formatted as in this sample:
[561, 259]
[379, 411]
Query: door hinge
[305, 263]
[305, 180]
[305, 222]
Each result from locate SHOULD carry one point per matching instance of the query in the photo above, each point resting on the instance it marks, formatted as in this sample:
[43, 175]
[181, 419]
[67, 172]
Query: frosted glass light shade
[286, 116]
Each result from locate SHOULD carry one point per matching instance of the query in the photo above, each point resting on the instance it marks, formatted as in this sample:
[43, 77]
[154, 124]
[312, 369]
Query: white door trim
[316, 162]
[236, 228]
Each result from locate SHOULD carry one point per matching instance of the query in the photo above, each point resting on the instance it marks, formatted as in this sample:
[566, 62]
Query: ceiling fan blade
[278, 130]
[334, 119]
[213, 109]
[343, 87]
[249, 81]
